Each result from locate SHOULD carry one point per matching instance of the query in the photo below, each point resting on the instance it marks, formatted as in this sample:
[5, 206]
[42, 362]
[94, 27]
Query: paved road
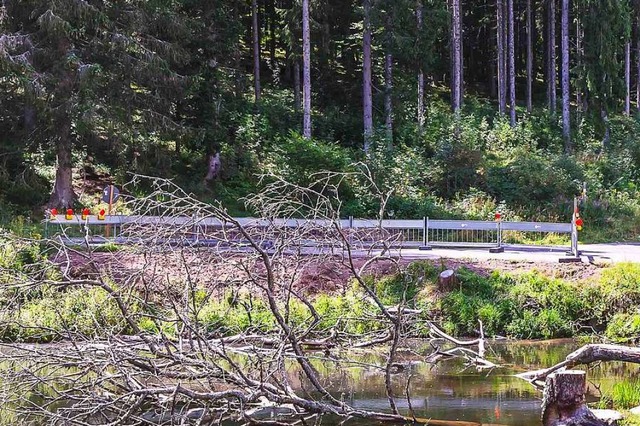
[598, 253]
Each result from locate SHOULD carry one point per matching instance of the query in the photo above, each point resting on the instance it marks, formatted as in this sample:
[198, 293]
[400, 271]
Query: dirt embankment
[322, 275]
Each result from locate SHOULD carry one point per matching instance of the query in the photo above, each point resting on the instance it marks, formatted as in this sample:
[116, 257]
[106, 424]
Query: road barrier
[424, 234]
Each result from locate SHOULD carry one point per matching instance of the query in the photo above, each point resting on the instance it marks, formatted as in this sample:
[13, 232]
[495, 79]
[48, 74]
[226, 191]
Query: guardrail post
[425, 236]
[498, 248]
[574, 254]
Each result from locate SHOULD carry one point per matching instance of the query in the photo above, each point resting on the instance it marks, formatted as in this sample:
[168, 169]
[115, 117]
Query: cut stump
[564, 401]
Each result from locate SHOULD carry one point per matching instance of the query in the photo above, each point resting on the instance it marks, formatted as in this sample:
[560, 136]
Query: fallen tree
[165, 359]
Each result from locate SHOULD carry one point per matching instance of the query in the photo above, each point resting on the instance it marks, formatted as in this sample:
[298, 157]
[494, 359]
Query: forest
[462, 108]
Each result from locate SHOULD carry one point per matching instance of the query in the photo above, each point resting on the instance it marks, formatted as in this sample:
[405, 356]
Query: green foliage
[624, 327]
[54, 316]
[623, 395]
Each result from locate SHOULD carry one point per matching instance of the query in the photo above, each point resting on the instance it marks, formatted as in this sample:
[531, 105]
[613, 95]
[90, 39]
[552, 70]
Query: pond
[451, 391]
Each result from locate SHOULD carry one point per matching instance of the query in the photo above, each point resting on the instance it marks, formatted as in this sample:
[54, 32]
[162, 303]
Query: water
[451, 391]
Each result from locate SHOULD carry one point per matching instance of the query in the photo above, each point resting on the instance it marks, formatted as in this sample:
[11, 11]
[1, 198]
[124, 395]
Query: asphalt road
[590, 253]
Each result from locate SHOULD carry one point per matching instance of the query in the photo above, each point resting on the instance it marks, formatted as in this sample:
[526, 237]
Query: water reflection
[449, 391]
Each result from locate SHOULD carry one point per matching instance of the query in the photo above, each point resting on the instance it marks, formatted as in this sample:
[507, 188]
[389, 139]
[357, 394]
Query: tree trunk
[512, 64]
[529, 58]
[388, 105]
[419, 10]
[388, 81]
[564, 400]
[63, 195]
[270, 11]
[607, 127]
[256, 50]
[367, 101]
[306, 71]
[637, 14]
[578, 87]
[296, 85]
[566, 124]
[551, 82]
[627, 79]
[456, 44]
[502, 93]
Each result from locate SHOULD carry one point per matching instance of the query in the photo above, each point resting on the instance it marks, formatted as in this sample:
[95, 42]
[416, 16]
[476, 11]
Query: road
[590, 253]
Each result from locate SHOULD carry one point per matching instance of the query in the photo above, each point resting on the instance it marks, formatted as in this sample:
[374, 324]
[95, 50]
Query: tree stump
[447, 280]
[563, 403]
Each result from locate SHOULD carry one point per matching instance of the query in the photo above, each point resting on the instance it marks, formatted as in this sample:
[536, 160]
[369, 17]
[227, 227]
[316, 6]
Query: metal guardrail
[423, 234]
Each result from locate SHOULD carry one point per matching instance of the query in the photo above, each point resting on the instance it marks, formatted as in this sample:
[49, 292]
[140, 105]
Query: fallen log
[587, 355]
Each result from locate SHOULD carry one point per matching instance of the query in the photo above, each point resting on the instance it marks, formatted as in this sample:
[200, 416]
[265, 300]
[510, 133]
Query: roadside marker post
[110, 195]
[499, 248]
[574, 254]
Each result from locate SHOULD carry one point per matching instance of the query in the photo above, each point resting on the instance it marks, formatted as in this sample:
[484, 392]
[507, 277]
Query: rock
[635, 411]
[611, 417]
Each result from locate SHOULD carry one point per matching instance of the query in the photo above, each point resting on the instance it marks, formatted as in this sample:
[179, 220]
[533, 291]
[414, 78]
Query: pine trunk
[566, 123]
[456, 44]
[637, 15]
[306, 71]
[63, 195]
[296, 85]
[256, 50]
[420, 72]
[388, 89]
[529, 58]
[552, 57]
[367, 101]
[579, 62]
[502, 95]
[627, 79]
[388, 80]
[512, 65]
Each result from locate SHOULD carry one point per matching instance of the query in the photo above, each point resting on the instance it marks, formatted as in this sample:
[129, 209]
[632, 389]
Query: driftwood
[564, 401]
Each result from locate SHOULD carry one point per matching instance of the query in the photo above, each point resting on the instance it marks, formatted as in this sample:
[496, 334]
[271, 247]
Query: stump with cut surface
[447, 280]
[564, 401]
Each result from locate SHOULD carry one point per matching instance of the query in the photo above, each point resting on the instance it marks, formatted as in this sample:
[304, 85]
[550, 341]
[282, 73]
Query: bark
[566, 124]
[447, 280]
[607, 127]
[306, 71]
[419, 11]
[512, 64]
[456, 44]
[388, 90]
[214, 165]
[637, 14]
[579, 62]
[367, 101]
[586, 355]
[63, 195]
[627, 79]
[270, 11]
[256, 50]
[551, 49]
[388, 81]
[529, 57]
[296, 85]
[564, 401]
[502, 94]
